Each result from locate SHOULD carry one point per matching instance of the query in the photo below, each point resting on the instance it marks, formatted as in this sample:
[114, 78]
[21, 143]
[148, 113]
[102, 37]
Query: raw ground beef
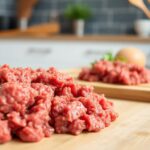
[115, 72]
[36, 103]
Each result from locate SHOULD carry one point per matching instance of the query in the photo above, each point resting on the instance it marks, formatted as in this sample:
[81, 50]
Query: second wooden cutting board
[138, 93]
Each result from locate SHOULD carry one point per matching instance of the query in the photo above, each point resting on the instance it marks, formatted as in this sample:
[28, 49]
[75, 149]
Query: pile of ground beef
[115, 72]
[36, 103]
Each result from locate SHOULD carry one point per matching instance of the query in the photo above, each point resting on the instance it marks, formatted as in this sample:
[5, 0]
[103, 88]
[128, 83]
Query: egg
[132, 55]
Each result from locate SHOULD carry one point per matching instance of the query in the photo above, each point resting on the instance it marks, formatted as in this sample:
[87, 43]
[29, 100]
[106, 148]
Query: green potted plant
[78, 13]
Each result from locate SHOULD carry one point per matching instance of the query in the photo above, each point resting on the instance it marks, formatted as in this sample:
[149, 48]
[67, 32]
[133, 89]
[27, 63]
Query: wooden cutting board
[138, 93]
[131, 131]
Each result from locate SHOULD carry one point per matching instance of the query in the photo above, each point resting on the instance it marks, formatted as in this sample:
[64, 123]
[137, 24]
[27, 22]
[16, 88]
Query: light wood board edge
[137, 93]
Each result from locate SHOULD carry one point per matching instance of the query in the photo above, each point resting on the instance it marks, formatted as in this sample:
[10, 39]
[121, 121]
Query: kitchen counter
[111, 38]
[131, 131]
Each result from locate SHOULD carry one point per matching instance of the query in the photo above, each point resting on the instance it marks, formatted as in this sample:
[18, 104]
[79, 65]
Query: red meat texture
[36, 103]
[115, 72]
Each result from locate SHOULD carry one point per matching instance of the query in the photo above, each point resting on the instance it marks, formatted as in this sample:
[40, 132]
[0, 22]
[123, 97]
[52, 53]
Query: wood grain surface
[35, 31]
[13, 34]
[131, 131]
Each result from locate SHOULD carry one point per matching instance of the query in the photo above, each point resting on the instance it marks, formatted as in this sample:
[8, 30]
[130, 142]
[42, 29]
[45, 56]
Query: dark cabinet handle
[39, 51]
[92, 52]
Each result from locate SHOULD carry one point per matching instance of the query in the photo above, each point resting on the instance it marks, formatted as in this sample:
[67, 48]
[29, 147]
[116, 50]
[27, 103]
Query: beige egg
[132, 55]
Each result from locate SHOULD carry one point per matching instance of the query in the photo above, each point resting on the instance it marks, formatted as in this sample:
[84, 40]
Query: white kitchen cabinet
[61, 54]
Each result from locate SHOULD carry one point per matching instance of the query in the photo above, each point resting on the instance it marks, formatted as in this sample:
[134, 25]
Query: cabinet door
[61, 54]
[24, 53]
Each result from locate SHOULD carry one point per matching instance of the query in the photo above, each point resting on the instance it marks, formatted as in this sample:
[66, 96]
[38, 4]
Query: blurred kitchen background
[70, 33]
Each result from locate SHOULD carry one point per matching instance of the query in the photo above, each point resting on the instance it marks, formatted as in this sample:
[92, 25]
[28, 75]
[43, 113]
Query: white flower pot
[79, 27]
[142, 27]
[23, 24]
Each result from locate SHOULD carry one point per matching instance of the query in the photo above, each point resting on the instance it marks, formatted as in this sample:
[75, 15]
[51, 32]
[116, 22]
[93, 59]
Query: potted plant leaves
[78, 13]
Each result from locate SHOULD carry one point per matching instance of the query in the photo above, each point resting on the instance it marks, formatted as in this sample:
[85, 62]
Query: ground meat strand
[5, 134]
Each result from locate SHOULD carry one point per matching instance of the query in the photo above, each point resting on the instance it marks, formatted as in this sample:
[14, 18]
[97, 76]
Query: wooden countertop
[130, 131]
[110, 38]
